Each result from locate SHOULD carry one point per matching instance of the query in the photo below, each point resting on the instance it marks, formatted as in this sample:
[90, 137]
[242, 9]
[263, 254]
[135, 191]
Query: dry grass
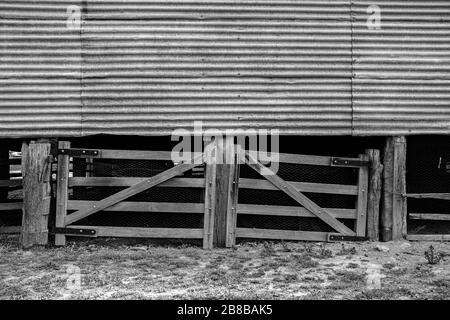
[117, 269]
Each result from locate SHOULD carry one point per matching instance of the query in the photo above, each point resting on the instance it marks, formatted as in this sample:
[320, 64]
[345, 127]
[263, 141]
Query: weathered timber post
[361, 202]
[224, 186]
[36, 169]
[235, 159]
[61, 192]
[210, 195]
[394, 211]
[374, 196]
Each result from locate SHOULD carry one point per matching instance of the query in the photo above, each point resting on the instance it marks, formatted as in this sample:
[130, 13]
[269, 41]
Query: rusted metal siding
[402, 71]
[148, 67]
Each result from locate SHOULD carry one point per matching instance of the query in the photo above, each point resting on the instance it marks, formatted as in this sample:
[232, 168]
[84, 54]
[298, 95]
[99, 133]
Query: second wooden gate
[252, 202]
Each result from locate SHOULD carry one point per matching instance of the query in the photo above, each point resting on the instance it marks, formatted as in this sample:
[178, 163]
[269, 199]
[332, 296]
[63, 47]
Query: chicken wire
[428, 171]
[136, 168]
[297, 173]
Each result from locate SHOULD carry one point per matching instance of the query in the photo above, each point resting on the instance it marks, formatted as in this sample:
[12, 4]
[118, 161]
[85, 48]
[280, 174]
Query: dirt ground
[119, 269]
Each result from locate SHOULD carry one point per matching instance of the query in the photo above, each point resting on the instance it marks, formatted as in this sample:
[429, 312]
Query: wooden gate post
[233, 157]
[210, 196]
[361, 202]
[36, 169]
[374, 197]
[62, 178]
[224, 186]
[394, 211]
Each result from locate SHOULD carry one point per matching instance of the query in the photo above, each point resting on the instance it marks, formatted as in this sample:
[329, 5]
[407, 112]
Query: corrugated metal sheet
[148, 67]
[402, 71]
[40, 65]
[152, 66]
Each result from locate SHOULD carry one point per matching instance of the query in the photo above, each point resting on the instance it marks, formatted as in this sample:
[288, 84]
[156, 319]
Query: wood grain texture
[374, 197]
[430, 216]
[440, 196]
[280, 234]
[36, 193]
[135, 206]
[210, 198]
[394, 212]
[232, 211]
[361, 199]
[399, 207]
[289, 211]
[388, 175]
[128, 232]
[62, 192]
[260, 184]
[428, 237]
[224, 178]
[128, 181]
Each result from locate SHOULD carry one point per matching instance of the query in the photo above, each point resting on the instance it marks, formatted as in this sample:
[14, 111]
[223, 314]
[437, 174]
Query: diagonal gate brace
[290, 190]
[135, 189]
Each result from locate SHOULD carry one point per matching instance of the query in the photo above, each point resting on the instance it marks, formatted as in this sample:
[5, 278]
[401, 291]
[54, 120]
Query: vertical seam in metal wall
[83, 15]
[352, 73]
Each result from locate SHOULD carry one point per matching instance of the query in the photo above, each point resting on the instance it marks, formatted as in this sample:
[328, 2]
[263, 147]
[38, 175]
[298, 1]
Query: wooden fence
[12, 198]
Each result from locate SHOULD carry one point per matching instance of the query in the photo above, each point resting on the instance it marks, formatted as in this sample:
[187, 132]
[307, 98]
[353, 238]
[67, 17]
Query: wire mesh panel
[11, 195]
[136, 168]
[428, 185]
[266, 210]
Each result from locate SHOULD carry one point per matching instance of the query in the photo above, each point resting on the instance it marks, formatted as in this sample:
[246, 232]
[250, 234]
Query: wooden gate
[222, 209]
[306, 208]
[68, 223]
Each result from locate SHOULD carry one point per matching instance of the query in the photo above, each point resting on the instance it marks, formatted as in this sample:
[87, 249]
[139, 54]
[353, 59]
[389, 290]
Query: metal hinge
[346, 162]
[79, 153]
[339, 237]
[75, 232]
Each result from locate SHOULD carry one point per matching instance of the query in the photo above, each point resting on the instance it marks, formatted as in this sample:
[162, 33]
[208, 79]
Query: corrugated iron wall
[148, 67]
[401, 79]
[40, 70]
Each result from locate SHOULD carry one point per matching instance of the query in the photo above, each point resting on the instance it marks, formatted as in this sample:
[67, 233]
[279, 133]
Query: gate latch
[347, 162]
[339, 237]
[79, 153]
[75, 232]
